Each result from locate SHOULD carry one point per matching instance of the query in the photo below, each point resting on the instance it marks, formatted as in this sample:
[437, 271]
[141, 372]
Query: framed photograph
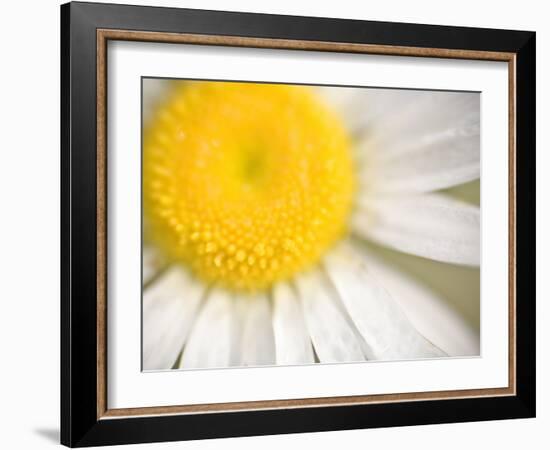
[276, 224]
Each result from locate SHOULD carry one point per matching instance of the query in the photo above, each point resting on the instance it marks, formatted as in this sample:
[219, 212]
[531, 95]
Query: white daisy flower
[259, 200]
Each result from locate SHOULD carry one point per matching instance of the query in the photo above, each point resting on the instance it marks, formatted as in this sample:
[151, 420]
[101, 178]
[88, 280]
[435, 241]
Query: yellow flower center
[247, 184]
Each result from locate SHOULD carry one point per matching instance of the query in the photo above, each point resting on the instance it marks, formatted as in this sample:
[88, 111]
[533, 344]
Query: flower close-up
[287, 224]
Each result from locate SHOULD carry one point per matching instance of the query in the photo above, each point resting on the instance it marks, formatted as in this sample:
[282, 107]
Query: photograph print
[297, 224]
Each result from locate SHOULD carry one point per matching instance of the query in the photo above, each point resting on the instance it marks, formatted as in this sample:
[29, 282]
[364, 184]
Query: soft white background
[29, 233]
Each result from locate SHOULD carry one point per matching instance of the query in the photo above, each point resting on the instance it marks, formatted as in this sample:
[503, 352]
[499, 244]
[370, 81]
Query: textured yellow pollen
[247, 184]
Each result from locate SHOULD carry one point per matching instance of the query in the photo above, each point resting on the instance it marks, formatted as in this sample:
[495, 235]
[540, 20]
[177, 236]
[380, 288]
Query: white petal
[292, 342]
[430, 225]
[427, 141]
[363, 107]
[332, 333]
[213, 340]
[257, 342]
[385, 328]
[418, 115]
[154, 90]
[152, 263]
[429, 314]
[169, 307]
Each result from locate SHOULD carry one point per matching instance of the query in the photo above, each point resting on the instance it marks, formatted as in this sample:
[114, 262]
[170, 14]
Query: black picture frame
[81, 424]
